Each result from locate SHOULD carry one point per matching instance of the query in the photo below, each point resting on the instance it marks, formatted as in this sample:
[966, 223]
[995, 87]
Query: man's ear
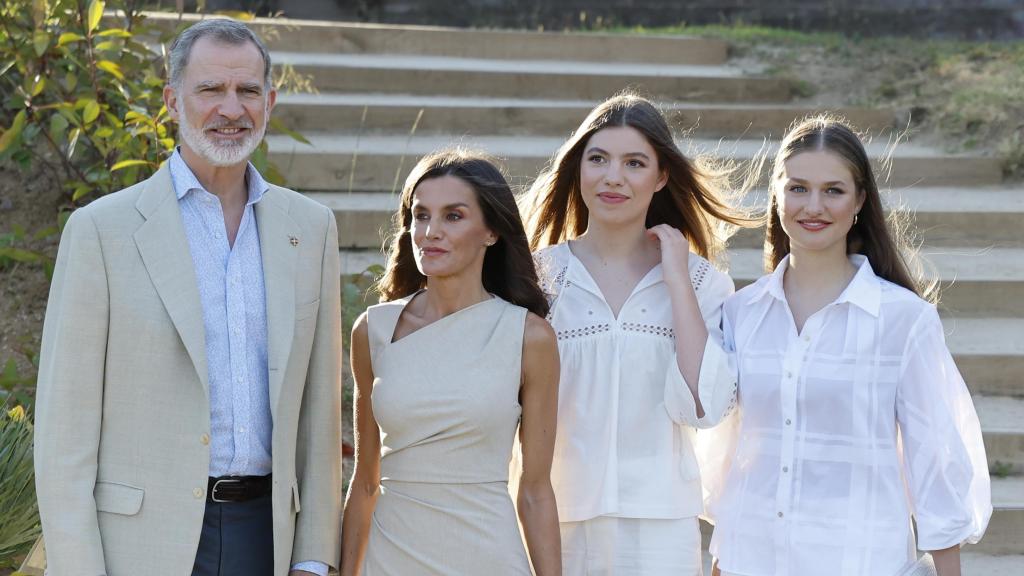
[271, 99]
[171, 102]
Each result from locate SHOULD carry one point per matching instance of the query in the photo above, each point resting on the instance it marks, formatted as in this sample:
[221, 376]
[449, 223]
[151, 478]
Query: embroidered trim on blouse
[700, 274]
[584, 331]
[649, 329]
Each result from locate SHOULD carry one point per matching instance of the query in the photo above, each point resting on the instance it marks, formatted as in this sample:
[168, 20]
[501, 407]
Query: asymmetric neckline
[440, 320]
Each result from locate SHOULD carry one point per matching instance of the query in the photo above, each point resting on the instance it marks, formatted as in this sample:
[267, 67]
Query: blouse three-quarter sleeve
[943, 453]
[717, 379]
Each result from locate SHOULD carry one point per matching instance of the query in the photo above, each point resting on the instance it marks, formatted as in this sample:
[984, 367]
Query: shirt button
[785, 468]
[788, 422]
[204, 439]
[780, 514]
[239, 379]
[789, 374]
[241, 429]
[198, 493]
[217, 235]
[807, 338]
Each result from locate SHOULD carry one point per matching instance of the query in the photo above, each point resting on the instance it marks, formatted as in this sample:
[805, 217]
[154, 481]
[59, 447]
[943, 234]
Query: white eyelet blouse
[623, 445]
[843, 432]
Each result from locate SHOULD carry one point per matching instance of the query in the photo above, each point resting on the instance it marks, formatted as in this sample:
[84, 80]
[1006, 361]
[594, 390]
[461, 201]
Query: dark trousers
[237, 539]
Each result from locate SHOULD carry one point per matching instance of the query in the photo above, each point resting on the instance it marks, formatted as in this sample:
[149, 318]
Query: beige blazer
[122, 408]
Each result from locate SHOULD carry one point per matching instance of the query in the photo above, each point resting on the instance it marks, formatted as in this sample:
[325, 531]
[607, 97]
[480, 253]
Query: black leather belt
[237, 488]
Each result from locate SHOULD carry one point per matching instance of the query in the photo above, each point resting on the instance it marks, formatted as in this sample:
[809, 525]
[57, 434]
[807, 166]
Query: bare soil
[28, 202]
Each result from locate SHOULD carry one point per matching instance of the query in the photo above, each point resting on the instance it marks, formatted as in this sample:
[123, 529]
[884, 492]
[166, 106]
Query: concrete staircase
[390, 94]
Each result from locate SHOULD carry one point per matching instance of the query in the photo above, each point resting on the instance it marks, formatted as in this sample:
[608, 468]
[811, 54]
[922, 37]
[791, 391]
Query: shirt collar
[863, 291]
[185, 181]
[772, 286]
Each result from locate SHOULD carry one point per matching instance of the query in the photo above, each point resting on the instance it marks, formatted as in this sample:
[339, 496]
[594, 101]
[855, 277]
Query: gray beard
[221, 155]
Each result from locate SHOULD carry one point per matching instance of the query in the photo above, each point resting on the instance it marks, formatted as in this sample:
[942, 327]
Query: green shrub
[86, 89]
[19, 523]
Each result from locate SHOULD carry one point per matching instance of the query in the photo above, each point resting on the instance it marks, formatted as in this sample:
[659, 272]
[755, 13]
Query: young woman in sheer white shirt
[637, 315]
[852, 415]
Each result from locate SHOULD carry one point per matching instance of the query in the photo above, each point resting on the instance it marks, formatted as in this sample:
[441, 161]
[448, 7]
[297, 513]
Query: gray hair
[221, 30]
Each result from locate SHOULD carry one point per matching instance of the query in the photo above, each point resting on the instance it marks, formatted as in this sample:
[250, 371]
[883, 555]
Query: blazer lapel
[279, 241]
[165, 252]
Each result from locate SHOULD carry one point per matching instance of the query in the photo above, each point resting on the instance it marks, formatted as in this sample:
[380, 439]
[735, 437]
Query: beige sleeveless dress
[446, 398]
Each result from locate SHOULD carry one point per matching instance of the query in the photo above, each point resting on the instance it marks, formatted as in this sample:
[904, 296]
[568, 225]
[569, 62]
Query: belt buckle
[213, 492]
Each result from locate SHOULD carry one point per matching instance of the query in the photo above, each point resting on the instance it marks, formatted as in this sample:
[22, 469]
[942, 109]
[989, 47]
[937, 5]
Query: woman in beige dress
[456, 359]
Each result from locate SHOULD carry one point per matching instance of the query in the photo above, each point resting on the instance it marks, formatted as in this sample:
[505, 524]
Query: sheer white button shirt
[844, 430]
[625, 415]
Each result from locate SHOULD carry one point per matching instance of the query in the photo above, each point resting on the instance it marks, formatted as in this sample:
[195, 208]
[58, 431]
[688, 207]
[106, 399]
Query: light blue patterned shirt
[235, 320]
[234, 304]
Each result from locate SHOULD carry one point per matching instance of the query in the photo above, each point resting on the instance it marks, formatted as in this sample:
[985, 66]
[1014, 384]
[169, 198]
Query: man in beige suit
[188, 407]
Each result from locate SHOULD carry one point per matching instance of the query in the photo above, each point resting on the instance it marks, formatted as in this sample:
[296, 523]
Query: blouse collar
[578, 274]
[863, 291]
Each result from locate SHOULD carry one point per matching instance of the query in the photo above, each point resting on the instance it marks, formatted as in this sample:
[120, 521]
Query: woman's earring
[855, 218]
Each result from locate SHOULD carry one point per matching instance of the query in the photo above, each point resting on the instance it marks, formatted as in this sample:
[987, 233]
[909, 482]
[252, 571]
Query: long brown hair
[508, 269]
[886, 246]
[693, 199]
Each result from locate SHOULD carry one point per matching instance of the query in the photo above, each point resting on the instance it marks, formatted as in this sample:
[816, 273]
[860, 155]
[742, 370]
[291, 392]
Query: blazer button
[204, 439]
[198, 493]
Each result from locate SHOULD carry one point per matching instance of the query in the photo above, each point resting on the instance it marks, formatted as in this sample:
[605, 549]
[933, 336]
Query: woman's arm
[686, 316]
[362, 491]
[539, 399]
[947, 562]
[943, 447]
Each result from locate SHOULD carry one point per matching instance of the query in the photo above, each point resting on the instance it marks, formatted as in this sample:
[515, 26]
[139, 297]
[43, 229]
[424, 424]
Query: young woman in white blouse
[852, 415]
[637, 316]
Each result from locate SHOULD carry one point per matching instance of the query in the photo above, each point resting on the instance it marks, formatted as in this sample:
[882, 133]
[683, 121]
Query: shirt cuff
[318, 568]
[716, 388]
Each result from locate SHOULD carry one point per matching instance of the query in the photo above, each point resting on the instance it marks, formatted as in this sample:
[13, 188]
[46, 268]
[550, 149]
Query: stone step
[425, 75]
[972, 563]
[979, 564]
[327, 162]
[965, 216]
[982, 217]
[1002, 420]
[989, 353]
[356, 38]
[982, 284]
[398, 113]
[1004, 530]
[976, 282]
[1000, 551]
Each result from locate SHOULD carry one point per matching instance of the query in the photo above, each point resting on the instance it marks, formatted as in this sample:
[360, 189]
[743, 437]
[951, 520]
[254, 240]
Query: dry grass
[960, 95]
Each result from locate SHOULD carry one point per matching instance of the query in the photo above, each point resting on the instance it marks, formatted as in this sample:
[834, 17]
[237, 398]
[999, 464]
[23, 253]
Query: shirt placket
[793, 362]
[236, 315]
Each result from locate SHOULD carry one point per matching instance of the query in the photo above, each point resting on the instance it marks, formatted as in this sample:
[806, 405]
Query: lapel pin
[294, 241]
